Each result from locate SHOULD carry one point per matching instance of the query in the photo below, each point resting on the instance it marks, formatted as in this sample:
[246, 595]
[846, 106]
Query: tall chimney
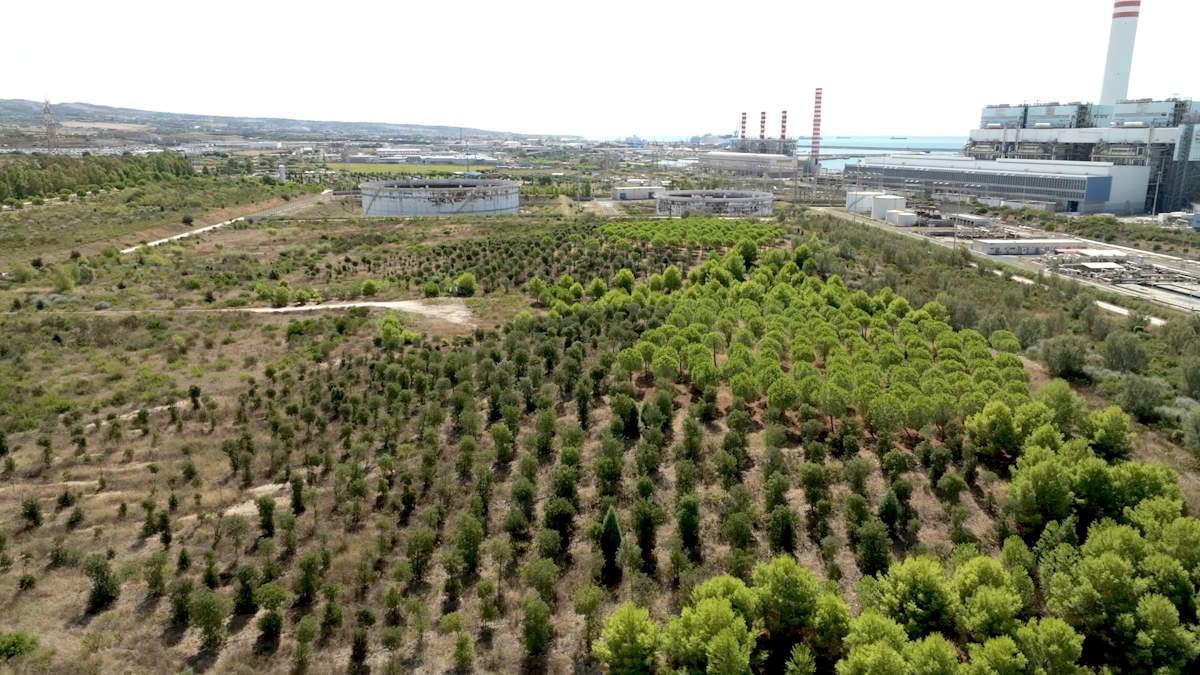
[1120, 51]
[743, 126]
[762, 126]
[783, 127]
[816, 134]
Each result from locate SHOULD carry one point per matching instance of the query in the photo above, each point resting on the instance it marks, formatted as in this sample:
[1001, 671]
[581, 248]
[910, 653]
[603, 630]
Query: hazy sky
[613, 67]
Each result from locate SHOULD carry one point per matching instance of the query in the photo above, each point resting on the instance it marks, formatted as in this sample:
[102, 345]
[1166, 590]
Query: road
[1013, 261]
[290, 207]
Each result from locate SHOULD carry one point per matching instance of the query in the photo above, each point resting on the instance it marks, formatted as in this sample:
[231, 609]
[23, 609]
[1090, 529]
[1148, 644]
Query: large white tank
[859, 201]
[881, 204]
[901, 218]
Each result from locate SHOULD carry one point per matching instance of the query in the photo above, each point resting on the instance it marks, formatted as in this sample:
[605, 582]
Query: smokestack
[816, 134]
[762, 126]
[743, 126]
[783, 127]
[1120, 51]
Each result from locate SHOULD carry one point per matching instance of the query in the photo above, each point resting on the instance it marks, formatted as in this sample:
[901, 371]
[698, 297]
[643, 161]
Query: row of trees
[44, 175]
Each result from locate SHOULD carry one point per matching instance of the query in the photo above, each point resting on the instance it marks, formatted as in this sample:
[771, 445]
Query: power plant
[1121, 155]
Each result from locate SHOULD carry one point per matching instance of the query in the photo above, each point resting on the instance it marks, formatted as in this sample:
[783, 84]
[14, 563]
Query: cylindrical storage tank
[881, 204]
[439, 197]
[859, 201]
[901, 218]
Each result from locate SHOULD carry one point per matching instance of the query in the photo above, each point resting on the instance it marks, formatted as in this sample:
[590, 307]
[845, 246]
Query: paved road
[291, 207]
[1017, 262]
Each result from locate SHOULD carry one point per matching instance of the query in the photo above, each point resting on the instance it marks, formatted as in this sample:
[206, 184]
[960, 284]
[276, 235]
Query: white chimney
[1120, 51]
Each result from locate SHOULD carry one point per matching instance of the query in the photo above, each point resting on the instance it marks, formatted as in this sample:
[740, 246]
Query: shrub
[535, 623]
[31, 511]
[17, 643]
[1123, 351]
[464, 285]
[207, 611]
[1065, 356]
[105, 587]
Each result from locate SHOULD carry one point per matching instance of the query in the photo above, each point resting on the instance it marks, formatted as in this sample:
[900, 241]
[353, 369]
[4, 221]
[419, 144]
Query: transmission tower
[51, 134]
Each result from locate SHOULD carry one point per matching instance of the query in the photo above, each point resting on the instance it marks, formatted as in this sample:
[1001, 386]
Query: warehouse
[1021, 246]
[635, 192]
[1077, 187]
[750, 163]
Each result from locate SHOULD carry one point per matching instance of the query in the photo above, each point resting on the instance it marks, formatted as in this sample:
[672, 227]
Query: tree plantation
[693, 446]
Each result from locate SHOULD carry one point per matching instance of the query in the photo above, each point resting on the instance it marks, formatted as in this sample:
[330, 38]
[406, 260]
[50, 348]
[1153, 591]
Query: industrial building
[901, 218]
[1022, 246]
[713, 203]
[751, 163]
[635, 192]
[1117, 156]
[1082, 187]
[439, 197]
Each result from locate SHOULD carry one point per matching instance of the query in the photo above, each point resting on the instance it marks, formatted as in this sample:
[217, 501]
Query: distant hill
[21, 112]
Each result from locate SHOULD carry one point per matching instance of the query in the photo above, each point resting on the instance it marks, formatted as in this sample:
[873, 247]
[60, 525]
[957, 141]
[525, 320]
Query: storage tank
[901, 218]
[881, 204]
[859, 201]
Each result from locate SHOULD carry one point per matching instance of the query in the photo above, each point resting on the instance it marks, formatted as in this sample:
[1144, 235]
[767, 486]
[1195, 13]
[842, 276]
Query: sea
[857, 147]
[838, 151]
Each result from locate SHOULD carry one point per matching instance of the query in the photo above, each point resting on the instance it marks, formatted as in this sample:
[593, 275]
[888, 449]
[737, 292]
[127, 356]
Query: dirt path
[278, 210]
[454, 311]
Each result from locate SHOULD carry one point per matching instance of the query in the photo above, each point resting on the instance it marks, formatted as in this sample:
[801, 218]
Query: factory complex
[1118, 156]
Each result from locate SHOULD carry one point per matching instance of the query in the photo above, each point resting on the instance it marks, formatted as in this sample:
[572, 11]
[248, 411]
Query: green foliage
[464, 285]
[787, 595]
[703, 231]
[535, 623]
[1109, 431]
[1124, 351]
[629, 642]
[1065, 356]
[105, 585]
[915, 593]
[15, 644]
[49, 174]
[208, 611]
[689, 638]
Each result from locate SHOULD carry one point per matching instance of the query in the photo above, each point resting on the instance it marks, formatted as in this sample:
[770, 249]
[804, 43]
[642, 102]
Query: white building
[635, 192]
[1083, 187]
[1021, 246]
[751, 163]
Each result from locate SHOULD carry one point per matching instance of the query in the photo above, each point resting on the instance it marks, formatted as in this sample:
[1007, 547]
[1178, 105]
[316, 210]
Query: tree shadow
[584, 664]
[202, 660]
[534, 663]
[173, 635]
[265, 646]
[238, 621]
[148, 604]
[486, 635]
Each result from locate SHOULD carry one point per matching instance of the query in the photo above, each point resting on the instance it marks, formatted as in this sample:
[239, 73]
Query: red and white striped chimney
[816, 134]
[762, 126]
[783, 126]
[743, 126]
[1120, 51]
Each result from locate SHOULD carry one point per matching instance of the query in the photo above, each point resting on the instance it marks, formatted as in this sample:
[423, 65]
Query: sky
[598, 69]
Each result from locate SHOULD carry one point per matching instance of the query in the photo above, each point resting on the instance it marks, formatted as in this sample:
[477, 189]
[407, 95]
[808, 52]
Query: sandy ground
[452, 310]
